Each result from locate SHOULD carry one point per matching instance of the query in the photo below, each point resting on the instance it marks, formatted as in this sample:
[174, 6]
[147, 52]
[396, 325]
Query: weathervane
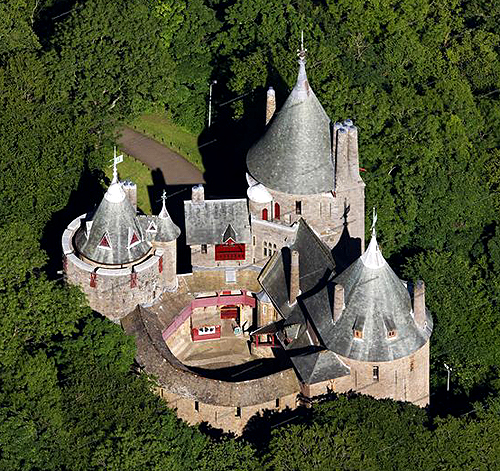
[302, 52]
[117, 159]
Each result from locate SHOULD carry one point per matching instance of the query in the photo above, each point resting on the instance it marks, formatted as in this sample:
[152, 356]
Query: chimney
[294, 278]
[341, 157]
[270, 104]
[338, 302]
[130, 189]
[419, 303]
[353, 157]
[198, 194]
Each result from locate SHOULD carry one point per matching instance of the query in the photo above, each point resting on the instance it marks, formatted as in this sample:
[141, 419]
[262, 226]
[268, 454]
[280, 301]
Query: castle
[283, 304]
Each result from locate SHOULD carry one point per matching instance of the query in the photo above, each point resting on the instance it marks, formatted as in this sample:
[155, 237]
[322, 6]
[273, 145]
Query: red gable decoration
[105, 242]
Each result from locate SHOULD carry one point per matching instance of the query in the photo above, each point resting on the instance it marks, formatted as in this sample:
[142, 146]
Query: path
[175, 168]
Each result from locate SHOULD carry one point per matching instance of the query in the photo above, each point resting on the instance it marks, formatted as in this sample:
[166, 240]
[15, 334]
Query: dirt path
[175, 168]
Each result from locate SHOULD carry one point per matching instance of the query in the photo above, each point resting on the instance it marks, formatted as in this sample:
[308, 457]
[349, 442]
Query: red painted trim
[195, 334]
[160, 264]
[133, 280]
[277, 211]
[93, 280]
[230, 251]
[264, 214]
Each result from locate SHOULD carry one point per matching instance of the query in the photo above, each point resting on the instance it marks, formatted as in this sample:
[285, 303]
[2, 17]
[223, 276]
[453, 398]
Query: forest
[420, 79]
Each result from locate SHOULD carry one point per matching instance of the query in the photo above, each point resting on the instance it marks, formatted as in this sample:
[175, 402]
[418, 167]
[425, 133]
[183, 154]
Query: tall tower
[304, 167]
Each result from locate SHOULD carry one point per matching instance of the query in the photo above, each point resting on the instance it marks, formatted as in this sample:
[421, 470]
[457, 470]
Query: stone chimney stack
[198, 194]
[419, 303]
[270, 104]
[294, 277]
[338, 302]
[130, 189]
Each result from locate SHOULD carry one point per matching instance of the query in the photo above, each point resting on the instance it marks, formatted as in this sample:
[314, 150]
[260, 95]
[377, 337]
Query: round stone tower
[118, 258]
[304, 167]
[380, 332]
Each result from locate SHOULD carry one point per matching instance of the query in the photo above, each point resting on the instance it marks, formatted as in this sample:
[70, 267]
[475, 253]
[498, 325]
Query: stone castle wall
[113, 292]
[406, 379]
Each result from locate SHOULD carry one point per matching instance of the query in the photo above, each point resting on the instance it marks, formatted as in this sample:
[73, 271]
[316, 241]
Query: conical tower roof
[113, 235]
[167, 230]
[294, 155]
[377, 322]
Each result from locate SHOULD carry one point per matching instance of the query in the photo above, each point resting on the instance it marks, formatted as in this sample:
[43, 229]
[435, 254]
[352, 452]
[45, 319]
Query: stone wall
[230, 419]
[406, 379]
[324, 212]
[113, 292]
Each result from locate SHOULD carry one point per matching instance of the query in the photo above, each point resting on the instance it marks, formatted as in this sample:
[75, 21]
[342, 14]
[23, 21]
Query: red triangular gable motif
[134, 239]
[105, 242]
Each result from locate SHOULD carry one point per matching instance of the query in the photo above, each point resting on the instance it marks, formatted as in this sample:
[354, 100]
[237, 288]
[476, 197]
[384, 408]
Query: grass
[140, 174]
[160, 128]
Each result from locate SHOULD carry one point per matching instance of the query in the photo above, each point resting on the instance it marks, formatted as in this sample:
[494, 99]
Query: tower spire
[163, 212]
[302, 52]
[372, 258]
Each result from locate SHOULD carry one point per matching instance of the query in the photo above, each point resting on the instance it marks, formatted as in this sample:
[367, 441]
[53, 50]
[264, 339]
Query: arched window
[277, 210]
[264, 214]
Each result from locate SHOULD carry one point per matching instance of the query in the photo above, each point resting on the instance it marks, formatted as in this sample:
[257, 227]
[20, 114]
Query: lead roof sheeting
[115, 220]
[294, 155]
[207, 221]
[319, 366]
[381, 297]
[166, 229]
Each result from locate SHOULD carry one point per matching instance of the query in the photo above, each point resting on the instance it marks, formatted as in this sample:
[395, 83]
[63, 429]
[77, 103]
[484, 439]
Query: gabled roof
[115, 222]
[294, 155]
[207, 221]
[316, 265]
[316, 366]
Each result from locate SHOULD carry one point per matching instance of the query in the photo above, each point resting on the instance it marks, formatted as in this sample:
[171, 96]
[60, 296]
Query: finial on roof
[163, 212]
[117, 159]
[302, 52]
[372, 258]
[374, 221]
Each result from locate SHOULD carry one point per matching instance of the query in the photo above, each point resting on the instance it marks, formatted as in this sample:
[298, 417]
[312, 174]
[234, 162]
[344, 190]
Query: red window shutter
[277, 211]
[160, 264]
[133, 280]
[93, 280]
[264, 214]
[230, 251]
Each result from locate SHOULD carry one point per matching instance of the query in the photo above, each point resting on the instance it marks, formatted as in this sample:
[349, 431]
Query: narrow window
[265, 249]
[298, 207]
[264, 214]
[238, 412]
[358, 334]
[277, 403]
[203, 248]
[196, 406]
[375, 373]
[277, 211]
[253, 240]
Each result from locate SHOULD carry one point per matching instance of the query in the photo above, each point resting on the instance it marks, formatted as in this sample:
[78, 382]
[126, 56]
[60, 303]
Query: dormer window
[133, 238]
[104, 243]
[391, 334]
[152, 227]
[358, 334]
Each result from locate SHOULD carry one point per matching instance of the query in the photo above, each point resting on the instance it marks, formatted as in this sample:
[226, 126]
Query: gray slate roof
[294, 155]
[314, 367]
[315, 266]
[376, 301]
[116, 218]
[207, 221]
